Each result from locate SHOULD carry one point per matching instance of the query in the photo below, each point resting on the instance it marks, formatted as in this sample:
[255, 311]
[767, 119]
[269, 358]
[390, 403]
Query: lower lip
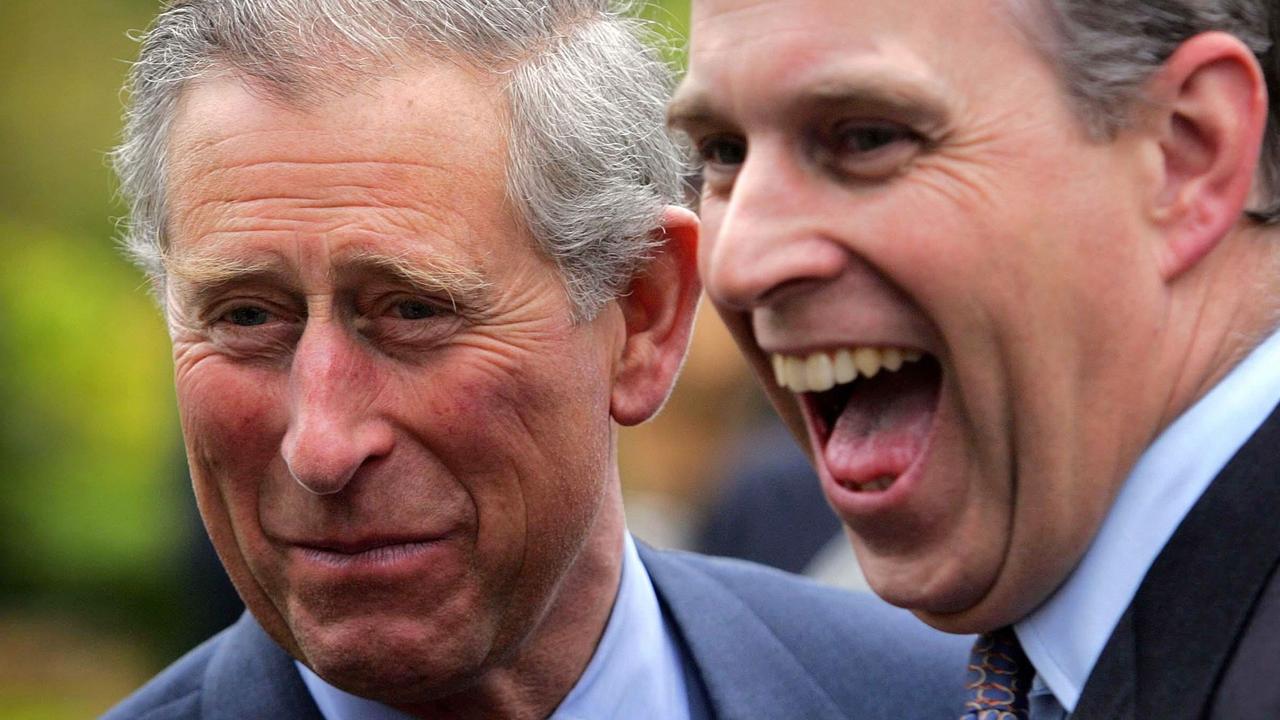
[383, 558]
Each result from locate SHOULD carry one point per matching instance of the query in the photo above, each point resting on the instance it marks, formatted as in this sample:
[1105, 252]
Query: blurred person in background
[418, 260]
[718, 473]
[1010, 268]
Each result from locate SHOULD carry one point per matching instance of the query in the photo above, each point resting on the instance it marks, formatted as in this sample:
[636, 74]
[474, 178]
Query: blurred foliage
[89, 457]
[96, 521]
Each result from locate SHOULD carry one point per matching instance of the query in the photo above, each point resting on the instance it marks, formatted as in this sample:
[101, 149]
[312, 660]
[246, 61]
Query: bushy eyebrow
[192, 277]
[689, 106]
[200, 275]
[432, 274]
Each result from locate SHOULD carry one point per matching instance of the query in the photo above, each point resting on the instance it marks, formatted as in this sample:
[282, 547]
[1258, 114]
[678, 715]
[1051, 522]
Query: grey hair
[591, 166]
[1105, 50]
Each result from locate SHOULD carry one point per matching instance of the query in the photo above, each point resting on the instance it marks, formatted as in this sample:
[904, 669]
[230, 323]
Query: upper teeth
[823, 370]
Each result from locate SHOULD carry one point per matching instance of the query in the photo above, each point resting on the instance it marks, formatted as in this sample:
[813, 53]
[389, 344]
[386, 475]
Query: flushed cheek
[232, 419]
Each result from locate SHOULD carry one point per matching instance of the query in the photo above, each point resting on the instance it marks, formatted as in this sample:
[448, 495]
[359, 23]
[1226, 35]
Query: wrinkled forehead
[426, 106]
[410, 162]
[762, 55]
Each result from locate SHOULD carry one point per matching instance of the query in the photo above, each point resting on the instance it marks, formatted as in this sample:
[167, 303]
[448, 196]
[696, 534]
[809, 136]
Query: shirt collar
[1064, 637]
[637, 671]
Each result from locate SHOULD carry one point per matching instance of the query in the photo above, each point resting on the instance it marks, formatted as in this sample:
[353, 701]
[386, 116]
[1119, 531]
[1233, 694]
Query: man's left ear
[1210, 103]
[658, 310]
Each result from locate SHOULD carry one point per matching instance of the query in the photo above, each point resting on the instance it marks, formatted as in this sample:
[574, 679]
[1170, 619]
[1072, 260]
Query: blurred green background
[97, 534]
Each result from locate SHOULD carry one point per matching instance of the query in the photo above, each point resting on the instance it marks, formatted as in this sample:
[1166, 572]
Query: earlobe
[658, 311]
[1211, 110]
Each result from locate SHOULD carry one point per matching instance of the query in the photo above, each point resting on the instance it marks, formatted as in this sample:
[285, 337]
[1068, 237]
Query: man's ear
[1210, 111]
[658, 311]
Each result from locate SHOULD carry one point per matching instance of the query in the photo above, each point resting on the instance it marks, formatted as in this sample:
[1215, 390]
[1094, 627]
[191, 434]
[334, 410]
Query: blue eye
[414, 310]
[248, 316]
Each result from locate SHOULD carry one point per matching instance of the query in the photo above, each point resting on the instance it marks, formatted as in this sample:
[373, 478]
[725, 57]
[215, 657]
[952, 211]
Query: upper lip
[779, 340]
[799, 350]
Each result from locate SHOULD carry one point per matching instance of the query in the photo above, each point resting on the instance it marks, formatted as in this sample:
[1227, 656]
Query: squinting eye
[870, 150]
[248, 316]
[722, 150]
[867, 138]
[414, 310]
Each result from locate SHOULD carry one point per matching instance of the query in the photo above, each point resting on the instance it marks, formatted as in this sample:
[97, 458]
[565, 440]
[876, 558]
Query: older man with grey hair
[1011, 268]
[418, 259]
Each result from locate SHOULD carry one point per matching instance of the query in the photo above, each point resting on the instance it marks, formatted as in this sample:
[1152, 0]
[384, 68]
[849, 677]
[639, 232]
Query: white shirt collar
[1064, 637]
[636, 673]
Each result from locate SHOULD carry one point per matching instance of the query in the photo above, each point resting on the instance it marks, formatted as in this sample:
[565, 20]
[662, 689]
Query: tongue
[883, 427]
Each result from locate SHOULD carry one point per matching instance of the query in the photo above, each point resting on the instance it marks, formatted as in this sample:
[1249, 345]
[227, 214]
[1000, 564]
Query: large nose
[335, 425]
[768, 234]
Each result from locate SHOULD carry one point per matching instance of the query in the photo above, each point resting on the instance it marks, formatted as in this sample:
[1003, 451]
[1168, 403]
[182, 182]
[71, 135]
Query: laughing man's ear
[1210, 112]
[658, 311]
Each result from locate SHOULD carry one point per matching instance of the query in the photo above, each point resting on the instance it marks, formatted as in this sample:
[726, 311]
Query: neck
[536, 677]
[1222, 310]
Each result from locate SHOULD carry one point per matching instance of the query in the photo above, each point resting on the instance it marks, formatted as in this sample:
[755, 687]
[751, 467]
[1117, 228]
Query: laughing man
[1009, 269]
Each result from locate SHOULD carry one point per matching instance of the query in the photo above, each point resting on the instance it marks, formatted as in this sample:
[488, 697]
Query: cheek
[233, 420]
[529, 441]
[516, 406]
[231, 416]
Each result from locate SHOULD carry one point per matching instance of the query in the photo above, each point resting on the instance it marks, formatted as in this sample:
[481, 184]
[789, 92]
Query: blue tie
[999, 678]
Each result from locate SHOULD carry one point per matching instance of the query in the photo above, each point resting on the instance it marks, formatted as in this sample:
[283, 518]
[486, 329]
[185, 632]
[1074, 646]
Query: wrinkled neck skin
[534, 679]
[1218, 312]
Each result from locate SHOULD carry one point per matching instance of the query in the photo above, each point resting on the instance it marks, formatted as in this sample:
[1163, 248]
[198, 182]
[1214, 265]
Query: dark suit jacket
[760, 644]
[1202, 636]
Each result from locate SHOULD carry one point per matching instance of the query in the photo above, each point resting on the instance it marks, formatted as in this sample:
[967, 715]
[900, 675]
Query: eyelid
[830, 148]
[377, 304]
[207, 301]
[847, 125]
[703, 145]
[217, 310]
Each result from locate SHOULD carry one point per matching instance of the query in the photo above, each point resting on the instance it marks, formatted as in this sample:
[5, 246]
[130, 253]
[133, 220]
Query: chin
[393, 663]
[1000, 606]
[947, 598]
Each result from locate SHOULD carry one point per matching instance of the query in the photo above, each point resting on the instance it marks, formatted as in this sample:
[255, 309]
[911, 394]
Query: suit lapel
[745, 671]
[251, 677]
[1108, 694]
[1187, 616]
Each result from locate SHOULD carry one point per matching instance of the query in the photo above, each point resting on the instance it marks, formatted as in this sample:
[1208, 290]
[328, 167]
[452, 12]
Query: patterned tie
[999, 677]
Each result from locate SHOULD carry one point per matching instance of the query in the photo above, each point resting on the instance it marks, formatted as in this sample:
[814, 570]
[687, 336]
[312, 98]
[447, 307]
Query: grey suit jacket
[1202, 636]
[759, 644]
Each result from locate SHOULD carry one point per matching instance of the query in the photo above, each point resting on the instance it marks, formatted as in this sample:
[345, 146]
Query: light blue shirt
[1064, 637]
[636, 673]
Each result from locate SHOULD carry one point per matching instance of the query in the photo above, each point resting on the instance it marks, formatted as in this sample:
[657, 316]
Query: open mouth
[870, 409]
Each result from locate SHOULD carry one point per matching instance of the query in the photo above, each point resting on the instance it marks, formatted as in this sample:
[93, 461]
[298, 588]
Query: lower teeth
[878, 485]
